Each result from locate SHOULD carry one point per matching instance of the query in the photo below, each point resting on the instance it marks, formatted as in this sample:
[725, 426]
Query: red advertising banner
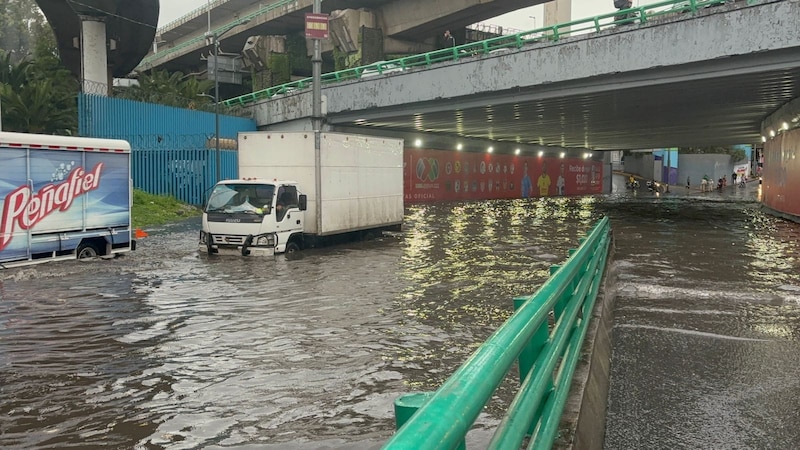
[444, 175]
[316, 26]
[781, 173]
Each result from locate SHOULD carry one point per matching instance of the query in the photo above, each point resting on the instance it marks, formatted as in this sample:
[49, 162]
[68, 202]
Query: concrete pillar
[557, 11]
[94, 56]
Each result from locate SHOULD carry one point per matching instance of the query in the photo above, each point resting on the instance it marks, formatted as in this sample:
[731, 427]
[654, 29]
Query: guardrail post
[531, 351]
[407, 404]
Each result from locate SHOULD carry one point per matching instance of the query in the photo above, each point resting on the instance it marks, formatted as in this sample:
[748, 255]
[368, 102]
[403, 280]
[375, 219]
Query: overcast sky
[521, 20]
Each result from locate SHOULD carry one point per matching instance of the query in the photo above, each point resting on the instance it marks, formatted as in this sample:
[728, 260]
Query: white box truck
[286, 199]
[63, 197]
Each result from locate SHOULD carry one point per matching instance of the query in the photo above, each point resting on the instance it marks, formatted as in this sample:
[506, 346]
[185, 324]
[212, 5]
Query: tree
[737, 154]
[171, 89]
[38, 95]
[20, 24]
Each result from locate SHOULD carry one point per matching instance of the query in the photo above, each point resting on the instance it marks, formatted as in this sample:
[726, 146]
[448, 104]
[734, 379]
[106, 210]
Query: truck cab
[253, 217]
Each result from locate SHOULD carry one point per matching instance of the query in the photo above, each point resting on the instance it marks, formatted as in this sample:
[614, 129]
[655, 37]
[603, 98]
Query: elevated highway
[180, 44]
[693, 79]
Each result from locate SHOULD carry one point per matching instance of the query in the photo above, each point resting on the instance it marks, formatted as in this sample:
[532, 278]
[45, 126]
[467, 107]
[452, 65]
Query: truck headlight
[265, 240]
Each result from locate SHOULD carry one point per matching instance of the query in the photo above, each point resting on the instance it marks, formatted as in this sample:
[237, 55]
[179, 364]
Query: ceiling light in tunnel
[460, 147]
[516, 152]
[772, 133]
[562, 155]
[490, 149]
[418, 143]
[541, 153]
[785, 126]
[763, 139]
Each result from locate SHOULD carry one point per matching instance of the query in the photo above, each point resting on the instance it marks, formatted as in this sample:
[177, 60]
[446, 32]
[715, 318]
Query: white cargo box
[361, 176]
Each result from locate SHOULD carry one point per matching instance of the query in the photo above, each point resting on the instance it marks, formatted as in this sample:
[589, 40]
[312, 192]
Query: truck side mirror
[303, 202]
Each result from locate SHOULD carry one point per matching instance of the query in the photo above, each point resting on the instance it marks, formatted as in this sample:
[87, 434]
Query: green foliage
[299, 61]
[20, 24]
[737, 154]
[38, 95]
[149, 209]
[170, 89]
[281, 69]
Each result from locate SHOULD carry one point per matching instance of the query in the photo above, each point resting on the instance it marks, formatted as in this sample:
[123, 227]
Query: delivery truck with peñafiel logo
[290, 196]
[63, 198]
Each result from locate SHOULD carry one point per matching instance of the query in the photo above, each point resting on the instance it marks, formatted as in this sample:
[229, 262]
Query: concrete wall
[696, 166]
[781, 175]
[584, 418]
[640, 164]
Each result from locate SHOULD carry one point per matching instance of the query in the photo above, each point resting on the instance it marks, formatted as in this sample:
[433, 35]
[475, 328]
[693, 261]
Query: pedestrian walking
[449, 40]
[688, 183]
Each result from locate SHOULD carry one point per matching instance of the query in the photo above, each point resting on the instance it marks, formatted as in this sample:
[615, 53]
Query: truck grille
[228, 239]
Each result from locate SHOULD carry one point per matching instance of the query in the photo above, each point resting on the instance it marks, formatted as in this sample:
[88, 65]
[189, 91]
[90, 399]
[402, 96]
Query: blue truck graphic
[63, 198]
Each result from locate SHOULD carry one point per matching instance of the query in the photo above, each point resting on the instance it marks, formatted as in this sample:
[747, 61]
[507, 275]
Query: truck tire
[292, 247]
[87, 250]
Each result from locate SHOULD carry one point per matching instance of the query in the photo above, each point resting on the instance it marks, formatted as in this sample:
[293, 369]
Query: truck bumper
[237, 251]
[213, 245]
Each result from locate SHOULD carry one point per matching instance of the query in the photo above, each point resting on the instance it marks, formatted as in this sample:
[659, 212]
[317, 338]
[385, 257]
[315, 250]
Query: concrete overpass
[180, 44]
[101, 39]
[708, 78]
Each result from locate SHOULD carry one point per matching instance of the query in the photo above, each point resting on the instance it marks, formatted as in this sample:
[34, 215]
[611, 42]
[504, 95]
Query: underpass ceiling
[703, 112]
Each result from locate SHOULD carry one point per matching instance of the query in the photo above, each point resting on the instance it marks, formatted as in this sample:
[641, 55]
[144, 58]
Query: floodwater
[167, 349]
[706, 333]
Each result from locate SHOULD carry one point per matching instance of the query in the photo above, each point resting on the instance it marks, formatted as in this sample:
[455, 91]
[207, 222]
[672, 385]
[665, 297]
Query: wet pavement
[164, 348]
[707, 326]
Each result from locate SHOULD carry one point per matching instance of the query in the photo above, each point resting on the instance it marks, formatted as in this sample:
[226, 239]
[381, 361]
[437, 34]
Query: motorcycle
[653, 185]
[632, 185]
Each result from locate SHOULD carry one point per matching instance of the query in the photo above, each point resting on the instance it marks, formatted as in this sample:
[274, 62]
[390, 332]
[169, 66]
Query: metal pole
[316, 119]
[216, 103]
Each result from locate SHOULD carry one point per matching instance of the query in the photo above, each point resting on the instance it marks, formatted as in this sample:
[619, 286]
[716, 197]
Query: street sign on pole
[316, 26]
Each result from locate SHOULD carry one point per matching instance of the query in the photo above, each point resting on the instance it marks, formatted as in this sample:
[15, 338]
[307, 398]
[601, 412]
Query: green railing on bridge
[507, 43]
[147, 61]
[547, 354]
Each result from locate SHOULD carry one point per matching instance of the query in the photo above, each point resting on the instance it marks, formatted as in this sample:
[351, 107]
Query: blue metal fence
[172, 149]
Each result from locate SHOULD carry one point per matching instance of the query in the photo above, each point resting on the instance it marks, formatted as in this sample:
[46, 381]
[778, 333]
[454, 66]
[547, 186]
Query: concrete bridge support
[94, 56]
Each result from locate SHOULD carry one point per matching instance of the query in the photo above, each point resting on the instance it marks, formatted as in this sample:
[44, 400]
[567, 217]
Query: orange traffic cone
[140, 233]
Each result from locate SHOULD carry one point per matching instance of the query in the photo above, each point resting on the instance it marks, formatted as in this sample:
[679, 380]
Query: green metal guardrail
[190, 15]
[547, 358]
[641, 14]
[261, 11]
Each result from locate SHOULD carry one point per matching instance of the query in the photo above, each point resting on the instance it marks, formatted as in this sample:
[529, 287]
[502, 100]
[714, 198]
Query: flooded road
[706, 327]
[166, 349]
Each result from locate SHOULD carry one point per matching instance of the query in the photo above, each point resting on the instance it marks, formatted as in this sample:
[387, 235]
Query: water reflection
[167, 349]
[706, 327]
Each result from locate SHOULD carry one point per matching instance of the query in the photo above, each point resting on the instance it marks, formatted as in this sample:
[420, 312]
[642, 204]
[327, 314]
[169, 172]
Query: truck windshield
[241, 198]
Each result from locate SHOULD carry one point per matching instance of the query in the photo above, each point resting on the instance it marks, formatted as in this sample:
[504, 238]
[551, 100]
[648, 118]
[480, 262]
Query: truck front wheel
[292, 247]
